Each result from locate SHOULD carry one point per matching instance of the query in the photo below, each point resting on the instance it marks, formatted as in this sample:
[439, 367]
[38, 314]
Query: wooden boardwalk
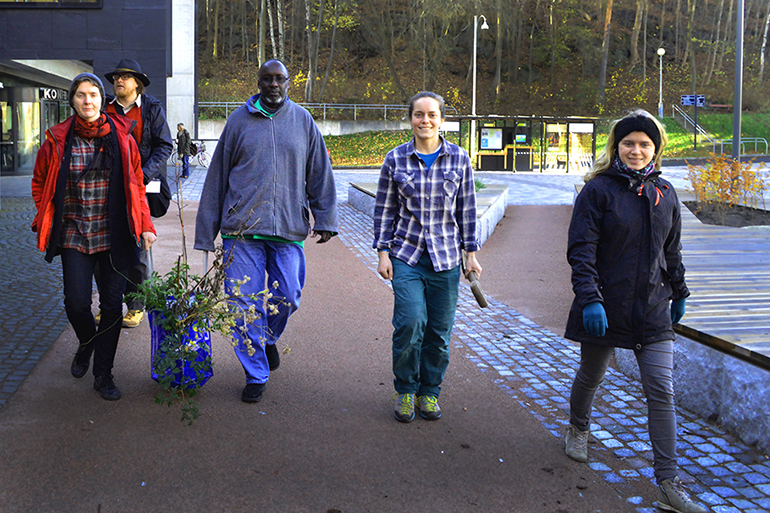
[728, 273]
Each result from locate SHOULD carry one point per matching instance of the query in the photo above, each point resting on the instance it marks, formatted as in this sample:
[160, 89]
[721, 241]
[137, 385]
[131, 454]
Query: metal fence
[332, 111]
[756, 141]
[718, 144]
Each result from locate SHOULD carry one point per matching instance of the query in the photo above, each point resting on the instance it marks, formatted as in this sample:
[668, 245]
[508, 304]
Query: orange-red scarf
[92, 129]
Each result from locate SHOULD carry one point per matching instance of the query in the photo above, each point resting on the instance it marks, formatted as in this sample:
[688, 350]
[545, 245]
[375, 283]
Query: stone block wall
[719, 387]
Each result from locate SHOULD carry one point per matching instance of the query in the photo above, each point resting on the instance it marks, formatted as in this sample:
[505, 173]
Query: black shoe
[273, 358]
[78, 368]
[252, 393]
[106, 387]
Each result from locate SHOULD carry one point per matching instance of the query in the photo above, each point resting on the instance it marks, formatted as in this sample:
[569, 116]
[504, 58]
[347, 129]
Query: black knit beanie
[637, 123]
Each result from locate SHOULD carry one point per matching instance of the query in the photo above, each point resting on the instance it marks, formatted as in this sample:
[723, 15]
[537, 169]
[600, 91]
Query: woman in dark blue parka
[628, 279]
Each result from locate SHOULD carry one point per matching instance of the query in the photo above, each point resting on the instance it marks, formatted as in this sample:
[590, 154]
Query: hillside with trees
[566, 57]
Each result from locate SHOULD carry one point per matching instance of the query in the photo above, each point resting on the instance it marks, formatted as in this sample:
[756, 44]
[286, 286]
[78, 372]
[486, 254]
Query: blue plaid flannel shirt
[419, 208]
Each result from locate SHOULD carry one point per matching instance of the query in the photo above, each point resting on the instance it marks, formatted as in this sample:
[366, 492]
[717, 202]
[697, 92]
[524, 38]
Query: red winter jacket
[44, 179]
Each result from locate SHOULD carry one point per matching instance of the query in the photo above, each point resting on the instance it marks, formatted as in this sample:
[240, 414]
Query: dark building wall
[133, 29]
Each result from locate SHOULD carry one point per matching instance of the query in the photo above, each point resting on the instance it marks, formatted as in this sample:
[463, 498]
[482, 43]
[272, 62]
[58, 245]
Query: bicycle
[202, 157]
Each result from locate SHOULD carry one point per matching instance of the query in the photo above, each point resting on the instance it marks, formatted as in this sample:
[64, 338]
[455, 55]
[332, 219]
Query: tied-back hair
[427, 94]
[607, 156]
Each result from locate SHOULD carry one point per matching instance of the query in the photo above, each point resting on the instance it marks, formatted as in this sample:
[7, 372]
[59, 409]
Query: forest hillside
[543, 57]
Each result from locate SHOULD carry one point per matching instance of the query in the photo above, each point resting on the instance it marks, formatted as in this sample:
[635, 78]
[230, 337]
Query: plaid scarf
[636, 174]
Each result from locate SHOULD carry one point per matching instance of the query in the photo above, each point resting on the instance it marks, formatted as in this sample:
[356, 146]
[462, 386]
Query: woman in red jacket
[91, 209]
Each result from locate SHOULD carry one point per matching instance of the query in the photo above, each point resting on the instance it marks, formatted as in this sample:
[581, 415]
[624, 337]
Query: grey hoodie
[266, 176]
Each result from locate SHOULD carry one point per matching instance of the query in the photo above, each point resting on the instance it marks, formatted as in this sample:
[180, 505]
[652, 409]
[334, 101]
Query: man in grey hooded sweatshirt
[269, 171]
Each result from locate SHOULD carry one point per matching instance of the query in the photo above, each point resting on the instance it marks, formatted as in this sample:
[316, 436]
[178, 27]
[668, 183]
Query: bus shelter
[544, 144]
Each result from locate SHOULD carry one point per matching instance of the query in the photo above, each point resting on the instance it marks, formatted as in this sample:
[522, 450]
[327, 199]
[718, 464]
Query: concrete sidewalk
[324, 437]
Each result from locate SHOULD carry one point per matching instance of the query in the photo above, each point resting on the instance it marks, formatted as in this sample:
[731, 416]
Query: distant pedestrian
[153, 137]
[89, 193]
[183, 145]
[269, 173]
[627, 274]
[424, 217]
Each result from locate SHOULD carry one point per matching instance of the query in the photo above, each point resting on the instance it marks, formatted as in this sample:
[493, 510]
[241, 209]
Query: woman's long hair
[607, 156]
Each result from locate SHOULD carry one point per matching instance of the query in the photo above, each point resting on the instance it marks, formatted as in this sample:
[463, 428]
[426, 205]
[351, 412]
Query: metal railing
[687, 123]
[756, 141]
[323, 110]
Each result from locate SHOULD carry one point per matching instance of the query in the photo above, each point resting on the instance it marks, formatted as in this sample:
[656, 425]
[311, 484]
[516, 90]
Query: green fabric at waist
[271, 238]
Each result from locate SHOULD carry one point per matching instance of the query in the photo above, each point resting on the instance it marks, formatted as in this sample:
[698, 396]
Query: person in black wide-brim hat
[128, 66]
[152, 135]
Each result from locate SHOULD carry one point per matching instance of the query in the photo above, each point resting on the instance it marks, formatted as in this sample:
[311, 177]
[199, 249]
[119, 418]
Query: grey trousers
[656, 363]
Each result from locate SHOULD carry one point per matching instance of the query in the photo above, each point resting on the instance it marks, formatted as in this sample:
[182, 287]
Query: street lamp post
[661, 53]
[484, 26]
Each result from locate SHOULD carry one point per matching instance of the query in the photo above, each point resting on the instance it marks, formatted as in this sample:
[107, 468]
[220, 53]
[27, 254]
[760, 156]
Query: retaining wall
[717, 386]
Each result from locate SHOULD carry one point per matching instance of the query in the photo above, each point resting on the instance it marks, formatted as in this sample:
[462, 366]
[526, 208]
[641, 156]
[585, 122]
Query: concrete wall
[719, 387]
[180, 104]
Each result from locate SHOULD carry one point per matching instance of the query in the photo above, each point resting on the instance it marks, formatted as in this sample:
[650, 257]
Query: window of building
[48, 4]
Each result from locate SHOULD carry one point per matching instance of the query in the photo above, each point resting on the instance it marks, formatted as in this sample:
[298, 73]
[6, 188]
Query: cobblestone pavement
[31, 310]
[534, 366]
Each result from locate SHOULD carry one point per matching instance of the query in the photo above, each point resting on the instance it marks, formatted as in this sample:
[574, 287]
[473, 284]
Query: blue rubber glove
[677, 310]
[595, 319]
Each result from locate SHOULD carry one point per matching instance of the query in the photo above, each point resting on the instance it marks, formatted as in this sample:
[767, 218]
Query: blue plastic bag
[197, 339]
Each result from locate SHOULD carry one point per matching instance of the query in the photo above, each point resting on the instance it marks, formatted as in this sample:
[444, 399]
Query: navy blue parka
[625, 250]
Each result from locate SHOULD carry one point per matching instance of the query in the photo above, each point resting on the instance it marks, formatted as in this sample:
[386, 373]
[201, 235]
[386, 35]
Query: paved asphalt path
[323, 439]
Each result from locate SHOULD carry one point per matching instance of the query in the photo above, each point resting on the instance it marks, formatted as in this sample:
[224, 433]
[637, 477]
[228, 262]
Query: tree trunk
[261, 31]
[644, 41]
[605, 54]
[764, 46]
[214, 53]
[498, 53]
[691, 44]
[552, 30]
[281, 34]
[677, 24]
[313, 35]
[272, 29]
[662, 23]
[331, 47]
[640, 5]
[712, 57]
[726, 40]
[514, 77]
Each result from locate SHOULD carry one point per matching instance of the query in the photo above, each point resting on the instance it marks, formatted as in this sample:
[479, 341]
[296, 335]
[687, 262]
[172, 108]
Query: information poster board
[491, 138]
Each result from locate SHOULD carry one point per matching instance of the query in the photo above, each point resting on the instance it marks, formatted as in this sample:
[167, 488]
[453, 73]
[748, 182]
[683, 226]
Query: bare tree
[331, 47]
[605, 53]
[641, 6]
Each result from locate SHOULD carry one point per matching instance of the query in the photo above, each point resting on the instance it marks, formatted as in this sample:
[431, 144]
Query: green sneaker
[404, 407]
[428, 406]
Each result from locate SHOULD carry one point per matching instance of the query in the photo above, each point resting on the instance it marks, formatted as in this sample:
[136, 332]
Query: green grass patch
[367, 149]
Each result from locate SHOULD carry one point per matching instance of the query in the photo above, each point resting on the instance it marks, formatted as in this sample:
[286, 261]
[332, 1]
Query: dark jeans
[423, 316]
[78, 270]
